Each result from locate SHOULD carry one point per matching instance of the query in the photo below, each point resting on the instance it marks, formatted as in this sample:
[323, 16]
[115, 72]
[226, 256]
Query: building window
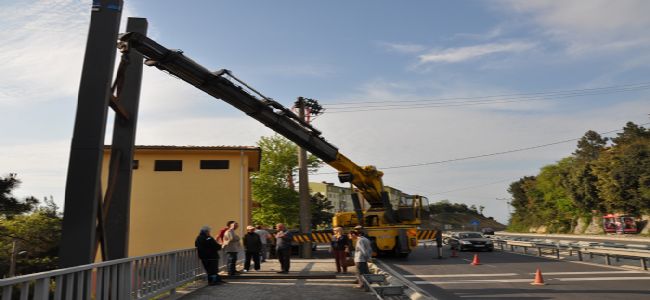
[136, 164]
[215, 164]
[168, 165]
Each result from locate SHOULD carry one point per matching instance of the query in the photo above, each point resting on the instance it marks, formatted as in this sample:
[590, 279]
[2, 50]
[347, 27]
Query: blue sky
[358, 52]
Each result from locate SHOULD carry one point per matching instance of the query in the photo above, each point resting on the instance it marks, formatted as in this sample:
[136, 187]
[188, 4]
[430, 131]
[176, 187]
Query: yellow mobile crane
[393, 231]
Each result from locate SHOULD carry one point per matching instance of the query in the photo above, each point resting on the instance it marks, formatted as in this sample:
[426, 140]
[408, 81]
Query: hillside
[460, 221]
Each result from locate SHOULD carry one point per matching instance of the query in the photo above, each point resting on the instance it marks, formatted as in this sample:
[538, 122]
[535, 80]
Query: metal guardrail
[376, 283]
[128, 278]
[607, 250]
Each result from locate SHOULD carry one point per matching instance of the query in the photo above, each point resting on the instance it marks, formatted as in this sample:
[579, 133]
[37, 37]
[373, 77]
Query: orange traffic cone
[539, 280]
[475, 262]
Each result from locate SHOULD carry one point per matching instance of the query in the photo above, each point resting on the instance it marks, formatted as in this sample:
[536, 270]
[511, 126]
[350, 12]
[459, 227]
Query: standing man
[362, 255]
[283, 247]
[265, 236]
[222, 231]
[252, 247]
[232, 246]
[208, 251]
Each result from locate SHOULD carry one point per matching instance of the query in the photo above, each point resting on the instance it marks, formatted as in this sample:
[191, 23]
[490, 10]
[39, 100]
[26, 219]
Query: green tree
[594, 178]
[523, 202]
[34, 229]
[321, 208]
[631, 132]
[624, 174]
[590, 146]
[557, 206]
[274, 186]
[581, 181]
[10, 205]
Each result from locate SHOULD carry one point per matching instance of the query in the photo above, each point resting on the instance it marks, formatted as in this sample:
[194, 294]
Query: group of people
[255, 245]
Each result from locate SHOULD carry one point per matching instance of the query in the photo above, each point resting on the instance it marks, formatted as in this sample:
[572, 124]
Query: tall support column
[84, 167]
[118, 202]
[303, 187]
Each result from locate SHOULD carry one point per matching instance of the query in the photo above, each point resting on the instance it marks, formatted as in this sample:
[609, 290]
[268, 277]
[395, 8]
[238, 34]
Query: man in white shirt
[362, 254]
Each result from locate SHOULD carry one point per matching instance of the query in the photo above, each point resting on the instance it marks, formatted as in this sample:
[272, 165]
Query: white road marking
[591, 272]
[474, 281]
[531, 280]
[460, 275]
[603, 278]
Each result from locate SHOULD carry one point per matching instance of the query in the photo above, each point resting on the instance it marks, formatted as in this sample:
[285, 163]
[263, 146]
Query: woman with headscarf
[208, 251]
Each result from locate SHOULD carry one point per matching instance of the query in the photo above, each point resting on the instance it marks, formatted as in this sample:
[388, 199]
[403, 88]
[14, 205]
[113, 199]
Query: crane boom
[222, 85]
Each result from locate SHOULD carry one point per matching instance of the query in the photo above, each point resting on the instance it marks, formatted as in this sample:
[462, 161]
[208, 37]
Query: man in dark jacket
[208, 251]
[252, 246]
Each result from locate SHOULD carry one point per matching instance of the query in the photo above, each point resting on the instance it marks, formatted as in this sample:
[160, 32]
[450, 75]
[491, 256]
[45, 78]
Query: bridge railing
[128, 278]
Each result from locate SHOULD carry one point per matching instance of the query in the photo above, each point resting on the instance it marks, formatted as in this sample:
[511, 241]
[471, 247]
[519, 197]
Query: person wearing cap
[252, 247]
[208, 251]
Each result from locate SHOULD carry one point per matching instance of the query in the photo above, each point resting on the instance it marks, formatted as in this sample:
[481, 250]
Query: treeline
[602, 176]
[445, 206]
[30, 230]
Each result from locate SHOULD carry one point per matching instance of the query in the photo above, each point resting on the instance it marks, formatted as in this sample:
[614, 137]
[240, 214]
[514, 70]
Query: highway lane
[504, 275]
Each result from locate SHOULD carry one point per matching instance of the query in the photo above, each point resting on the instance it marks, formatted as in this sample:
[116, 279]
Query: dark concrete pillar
[84, 168]
[124, 129]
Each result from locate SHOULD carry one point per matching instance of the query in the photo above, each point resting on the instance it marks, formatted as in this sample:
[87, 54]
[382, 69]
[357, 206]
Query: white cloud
[40, 166]
[489, 35]
[42, 49]
[454, 55]
[233, 131]
[403, 48]
[589, 25]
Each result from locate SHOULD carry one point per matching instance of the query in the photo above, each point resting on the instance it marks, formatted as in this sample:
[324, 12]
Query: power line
[495, 153]
[482, 155]
[469, 187]
[484, 100]
[635, 85]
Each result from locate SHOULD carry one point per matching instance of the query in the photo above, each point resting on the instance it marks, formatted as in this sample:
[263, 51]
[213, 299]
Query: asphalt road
[504, 275]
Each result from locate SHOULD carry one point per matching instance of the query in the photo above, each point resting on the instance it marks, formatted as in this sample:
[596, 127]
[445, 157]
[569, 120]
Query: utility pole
[306, 108]
[303, 186]
[12, 263]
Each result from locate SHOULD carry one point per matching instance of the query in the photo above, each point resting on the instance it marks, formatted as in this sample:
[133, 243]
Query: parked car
[487, 231]
[468, 240]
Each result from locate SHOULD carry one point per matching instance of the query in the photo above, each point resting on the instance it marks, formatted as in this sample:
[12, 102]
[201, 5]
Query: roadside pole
[303, 188]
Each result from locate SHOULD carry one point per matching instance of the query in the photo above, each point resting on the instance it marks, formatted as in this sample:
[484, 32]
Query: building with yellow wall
[177, 189]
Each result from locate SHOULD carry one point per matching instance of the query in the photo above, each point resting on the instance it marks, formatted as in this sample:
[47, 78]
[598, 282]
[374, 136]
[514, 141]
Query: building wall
[169, 207]
[339, 196]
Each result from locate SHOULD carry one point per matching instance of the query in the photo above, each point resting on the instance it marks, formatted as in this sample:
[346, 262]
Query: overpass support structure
[93, 220]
